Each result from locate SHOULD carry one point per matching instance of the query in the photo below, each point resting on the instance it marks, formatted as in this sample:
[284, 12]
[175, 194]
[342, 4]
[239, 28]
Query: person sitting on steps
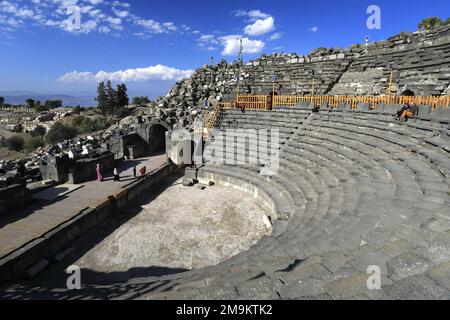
[402, 111]
[411, 112]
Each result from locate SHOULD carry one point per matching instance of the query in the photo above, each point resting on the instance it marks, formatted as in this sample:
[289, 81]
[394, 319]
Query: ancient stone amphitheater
[354, 189]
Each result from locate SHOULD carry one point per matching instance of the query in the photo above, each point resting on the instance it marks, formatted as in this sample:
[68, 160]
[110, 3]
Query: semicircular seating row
[361, 190]
[358, 192]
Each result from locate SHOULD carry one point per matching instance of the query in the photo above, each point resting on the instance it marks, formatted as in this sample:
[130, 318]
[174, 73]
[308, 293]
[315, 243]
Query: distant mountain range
[19, 97]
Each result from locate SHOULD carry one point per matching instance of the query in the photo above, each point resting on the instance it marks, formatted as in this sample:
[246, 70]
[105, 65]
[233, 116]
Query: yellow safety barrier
[263, 102]
[211, 118]
[334, 101]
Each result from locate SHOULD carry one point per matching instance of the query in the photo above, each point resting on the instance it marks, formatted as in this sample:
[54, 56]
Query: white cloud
[170, 26]
[207, 42]
[121, 13]
[115, 21]
[231, 45]
[255, 14]
[157, 72]
[155, 27]
[96, 16]
[104, 29]
[95, 2]
[260, 27]
[313, 29]
[276, 36]
[208, 38]
[121, 4]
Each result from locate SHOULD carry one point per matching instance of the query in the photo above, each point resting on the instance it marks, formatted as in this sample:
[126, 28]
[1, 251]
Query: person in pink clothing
[99, 173]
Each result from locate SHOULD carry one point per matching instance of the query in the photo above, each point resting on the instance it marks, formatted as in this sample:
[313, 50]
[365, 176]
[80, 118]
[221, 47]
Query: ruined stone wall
[86, 169]
[13, 196]
[421, 62]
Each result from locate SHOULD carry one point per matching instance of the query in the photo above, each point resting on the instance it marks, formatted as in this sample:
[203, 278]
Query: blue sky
[149, 45]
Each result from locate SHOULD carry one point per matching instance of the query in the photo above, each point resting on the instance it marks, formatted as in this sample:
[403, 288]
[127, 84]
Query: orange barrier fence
[334, 101]
[263, 102]
[256, 102]
[211, 118]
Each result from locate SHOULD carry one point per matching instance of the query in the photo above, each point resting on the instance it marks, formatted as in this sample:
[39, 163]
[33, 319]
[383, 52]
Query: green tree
[39, 132]
[60, 132]
[111, 98]
[15, 143]
[2, 101]
[30, 103]
[141, 101]
[40, 108]
[447, 22]
[102, 98]
[122, 96]
[53, 104]
[430, 23]
[77, 110]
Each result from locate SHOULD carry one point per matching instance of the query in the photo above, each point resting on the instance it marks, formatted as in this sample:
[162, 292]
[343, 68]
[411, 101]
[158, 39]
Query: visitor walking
[99, 173]
[143, 171]
[134, 171]
[116, 174]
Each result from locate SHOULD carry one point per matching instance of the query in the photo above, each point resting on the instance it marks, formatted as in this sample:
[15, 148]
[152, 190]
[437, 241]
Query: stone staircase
[354, 190]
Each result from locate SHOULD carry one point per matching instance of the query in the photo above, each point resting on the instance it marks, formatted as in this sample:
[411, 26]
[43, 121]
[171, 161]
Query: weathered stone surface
[415, 288]
[407, 265]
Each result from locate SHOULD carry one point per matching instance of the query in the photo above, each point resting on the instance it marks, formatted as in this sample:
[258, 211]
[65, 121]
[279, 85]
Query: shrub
[60, 132]
[39, 131]
[78, 121]
[15, 143]
[33, 144]
[86, 125]
[78, 109]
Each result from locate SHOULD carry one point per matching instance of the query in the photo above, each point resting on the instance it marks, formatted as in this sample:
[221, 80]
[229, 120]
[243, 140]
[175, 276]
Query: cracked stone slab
[406, 265]
[441, 274]
[259, 289]
[303, 271]
[416, 288]
[354, 285]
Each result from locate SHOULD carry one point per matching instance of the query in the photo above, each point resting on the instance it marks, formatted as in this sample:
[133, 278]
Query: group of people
[116, 172]
[409, 110]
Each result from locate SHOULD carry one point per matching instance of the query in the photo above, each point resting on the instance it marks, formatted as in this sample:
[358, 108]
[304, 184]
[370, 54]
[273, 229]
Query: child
[143, 171]
[116, 174]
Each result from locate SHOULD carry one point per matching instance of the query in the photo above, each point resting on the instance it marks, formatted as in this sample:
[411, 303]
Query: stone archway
[157, 138]
[408, 93]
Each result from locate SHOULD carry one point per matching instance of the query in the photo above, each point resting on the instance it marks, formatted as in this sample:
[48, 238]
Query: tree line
[37, 105]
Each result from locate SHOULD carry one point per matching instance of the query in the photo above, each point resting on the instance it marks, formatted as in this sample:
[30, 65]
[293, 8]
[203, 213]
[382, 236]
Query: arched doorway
[408, 93]
[157, 139]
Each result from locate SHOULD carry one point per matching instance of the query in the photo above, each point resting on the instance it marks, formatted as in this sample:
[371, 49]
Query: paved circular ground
[182, 228]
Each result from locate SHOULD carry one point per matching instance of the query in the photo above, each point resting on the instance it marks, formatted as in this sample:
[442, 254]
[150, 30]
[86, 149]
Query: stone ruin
[13, 192]
[354, 188]
[420, 61]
